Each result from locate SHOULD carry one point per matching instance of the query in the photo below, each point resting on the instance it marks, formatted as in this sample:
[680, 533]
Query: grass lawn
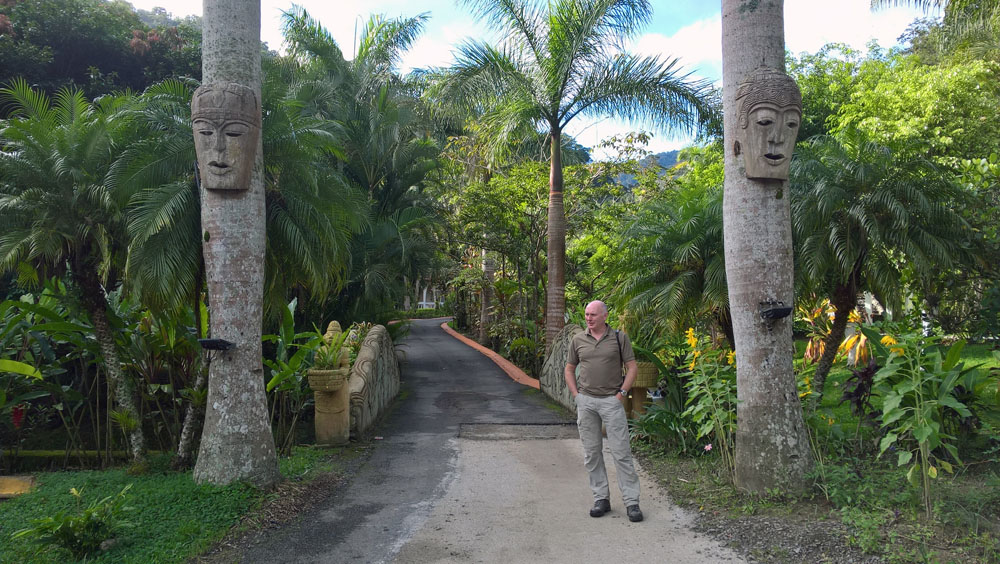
[171, 518]
[988, 356]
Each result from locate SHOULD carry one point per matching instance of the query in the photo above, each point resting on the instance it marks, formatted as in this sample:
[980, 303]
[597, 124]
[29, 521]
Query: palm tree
[313, 210]
[153, 181]
[864, 215]
[236, 443]
[674, 272]
[388, 147]
[772, 445]
[57, 213]
[556, 61]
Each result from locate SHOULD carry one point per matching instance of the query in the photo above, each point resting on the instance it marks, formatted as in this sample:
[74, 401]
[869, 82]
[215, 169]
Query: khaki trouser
[590, 412]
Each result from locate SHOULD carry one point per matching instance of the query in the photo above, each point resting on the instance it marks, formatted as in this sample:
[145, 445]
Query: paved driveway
[474, 467]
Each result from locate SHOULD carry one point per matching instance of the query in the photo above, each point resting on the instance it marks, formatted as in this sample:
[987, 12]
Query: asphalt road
[473, 467]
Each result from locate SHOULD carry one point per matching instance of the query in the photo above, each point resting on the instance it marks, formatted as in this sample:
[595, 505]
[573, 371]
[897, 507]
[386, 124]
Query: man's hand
[569, 374]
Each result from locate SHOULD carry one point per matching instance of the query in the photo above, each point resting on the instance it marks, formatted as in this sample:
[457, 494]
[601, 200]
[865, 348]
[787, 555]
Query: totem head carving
[226, 121]
[770, 111]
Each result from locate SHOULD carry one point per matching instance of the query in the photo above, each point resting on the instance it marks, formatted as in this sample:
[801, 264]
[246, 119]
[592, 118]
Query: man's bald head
[595, 314]
[597, 305]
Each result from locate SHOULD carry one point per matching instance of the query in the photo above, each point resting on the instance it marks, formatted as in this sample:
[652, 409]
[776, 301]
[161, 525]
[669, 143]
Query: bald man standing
[600, 353]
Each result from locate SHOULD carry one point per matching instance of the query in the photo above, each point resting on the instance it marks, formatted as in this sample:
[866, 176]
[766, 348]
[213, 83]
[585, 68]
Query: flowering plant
[711, 402]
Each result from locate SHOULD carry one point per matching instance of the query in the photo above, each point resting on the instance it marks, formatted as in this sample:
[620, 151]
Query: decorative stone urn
[328, 380]
[332, 395]
[647, 376]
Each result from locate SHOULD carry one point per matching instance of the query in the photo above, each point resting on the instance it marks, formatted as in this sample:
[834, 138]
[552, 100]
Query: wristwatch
[623, 392]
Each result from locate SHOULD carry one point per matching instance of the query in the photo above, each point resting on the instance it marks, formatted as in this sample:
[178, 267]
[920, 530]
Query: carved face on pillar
[770, 112]
[226, 122]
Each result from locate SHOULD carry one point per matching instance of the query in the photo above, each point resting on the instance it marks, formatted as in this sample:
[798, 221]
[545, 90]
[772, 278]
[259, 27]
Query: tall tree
[386, 148]
[966, 25]
[236, 443]
[99, 46]
[859, 207]
[772, 447]
[57, 214]
[673, 274]
[557, 60]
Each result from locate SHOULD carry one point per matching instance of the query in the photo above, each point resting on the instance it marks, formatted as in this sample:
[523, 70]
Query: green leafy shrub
[711, 389]
[865, 529]
[81, 532]
[917, 385]
[662, 426]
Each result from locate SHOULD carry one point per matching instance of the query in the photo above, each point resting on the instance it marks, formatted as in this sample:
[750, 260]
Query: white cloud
[697, 46]
[810, 24]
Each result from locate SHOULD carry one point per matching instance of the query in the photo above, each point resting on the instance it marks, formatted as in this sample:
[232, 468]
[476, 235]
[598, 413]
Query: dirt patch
[284, 504]
[768, 532]
[797, 531]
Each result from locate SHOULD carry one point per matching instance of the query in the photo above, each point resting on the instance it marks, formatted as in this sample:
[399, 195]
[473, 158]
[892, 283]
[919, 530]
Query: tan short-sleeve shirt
[600, 365]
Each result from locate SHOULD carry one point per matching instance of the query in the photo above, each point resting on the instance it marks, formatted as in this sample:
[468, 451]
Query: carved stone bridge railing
[551, 380]
[374, 380]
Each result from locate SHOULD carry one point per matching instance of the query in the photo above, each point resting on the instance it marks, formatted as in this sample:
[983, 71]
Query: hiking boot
[633, 512]
[601, 507]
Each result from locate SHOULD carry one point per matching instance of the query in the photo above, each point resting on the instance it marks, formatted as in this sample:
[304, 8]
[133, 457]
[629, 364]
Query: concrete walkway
[475, 467]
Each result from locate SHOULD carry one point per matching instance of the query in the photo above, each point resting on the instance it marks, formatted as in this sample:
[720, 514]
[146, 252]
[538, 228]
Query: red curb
[507, 366]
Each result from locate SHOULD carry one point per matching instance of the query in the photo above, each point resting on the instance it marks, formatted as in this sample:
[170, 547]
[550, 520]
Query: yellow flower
[896, 350]
[692, 341]
[731, 357]
[694, 359]
[889, 340]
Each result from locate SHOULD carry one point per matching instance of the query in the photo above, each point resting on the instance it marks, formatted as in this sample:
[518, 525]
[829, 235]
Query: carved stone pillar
[332, 400]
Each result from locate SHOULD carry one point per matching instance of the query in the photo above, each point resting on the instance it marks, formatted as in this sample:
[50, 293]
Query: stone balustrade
[374, 380]
[552, 381]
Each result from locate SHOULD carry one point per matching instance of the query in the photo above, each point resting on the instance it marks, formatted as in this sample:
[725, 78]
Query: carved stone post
[332, 402]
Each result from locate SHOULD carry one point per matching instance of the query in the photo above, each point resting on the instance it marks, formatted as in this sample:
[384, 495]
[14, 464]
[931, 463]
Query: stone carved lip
[774, 158]
[218, 168]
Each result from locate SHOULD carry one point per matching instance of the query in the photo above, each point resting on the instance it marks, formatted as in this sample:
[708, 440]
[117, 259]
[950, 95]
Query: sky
[689, 30]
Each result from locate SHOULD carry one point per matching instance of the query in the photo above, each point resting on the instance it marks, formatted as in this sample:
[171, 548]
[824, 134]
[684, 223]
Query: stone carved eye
[236, 129]
[765, 121]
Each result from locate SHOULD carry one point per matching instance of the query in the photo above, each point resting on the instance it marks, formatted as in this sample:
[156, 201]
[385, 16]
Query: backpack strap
[621, 357]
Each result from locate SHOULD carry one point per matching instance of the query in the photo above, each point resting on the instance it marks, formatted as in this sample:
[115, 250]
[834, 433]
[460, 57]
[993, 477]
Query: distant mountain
[665, 161]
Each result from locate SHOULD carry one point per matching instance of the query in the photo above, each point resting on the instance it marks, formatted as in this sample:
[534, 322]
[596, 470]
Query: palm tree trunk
[195, 413]
[236, 444]
[124, 394]
[844, 301]
[192, 423]
[772, 447]
[725, 322]
[555, 292]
